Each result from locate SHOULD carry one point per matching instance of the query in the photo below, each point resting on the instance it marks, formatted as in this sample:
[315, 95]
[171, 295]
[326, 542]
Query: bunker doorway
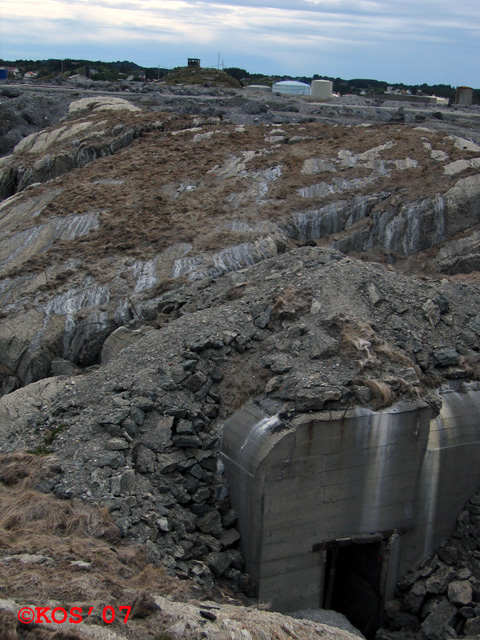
[355, 581]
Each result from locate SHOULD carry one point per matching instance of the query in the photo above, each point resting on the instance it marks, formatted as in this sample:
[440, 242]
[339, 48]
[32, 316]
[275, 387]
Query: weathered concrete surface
[330, 477]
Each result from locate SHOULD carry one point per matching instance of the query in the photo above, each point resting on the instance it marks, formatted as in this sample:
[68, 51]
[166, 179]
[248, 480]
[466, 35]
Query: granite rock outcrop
[111, 208]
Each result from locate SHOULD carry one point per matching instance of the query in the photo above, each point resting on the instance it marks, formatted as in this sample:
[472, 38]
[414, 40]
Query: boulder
[322, 345]
[460, 592]
[472, 628]
[436, 625]
[118, 340]
[447, 357]
[438, 581]
[314, 399]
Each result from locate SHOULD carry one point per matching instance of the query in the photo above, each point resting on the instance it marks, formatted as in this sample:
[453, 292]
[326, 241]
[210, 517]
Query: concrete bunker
[334, 507]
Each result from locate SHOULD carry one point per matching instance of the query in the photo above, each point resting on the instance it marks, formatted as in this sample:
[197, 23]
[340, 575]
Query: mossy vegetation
[198, 75]
[44, 447]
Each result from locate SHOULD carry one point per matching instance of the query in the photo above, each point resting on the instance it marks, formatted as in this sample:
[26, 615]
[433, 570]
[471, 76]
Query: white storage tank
[464, 96]
[291, 87]
[322, 89]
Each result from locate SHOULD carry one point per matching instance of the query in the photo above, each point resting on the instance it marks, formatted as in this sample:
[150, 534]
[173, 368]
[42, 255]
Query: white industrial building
[291, 87]
[319, 88]
[322, 89]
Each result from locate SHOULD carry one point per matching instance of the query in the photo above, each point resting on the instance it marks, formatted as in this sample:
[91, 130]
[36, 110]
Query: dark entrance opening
[355, 575]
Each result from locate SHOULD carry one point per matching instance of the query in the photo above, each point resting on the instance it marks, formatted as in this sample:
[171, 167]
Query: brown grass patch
[394, 355]
[8, 625]
[62, 532]
[382, 392]
[15, 467]
[289, 303]
[361, 337]
[44, 634]
[138, 219]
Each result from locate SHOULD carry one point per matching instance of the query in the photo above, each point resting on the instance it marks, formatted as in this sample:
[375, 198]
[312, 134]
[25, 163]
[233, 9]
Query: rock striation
[42, 156]
[82, 255]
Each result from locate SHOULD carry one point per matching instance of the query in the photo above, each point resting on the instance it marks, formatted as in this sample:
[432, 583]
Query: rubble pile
[442, 598]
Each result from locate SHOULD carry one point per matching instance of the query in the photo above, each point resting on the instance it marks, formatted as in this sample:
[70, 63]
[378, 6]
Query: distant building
[322, 89]
[405, 96]
[464, 96]
[193, 62]
[291, 87]
[259, 87]
[80, 80]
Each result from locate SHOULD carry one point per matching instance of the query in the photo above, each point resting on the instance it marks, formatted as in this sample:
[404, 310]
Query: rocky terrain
[441, 599]
[167, 258]
[65, 556]
[108, 225]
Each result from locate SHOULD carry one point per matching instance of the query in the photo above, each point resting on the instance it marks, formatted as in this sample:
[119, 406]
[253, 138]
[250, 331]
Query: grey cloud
[361, 36]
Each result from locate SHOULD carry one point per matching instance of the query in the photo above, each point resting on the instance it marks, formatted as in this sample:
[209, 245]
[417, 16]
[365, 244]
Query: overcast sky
[411, 41]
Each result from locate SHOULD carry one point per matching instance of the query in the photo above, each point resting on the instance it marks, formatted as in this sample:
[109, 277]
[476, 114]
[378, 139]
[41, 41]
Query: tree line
[113, 71]
[355, 86]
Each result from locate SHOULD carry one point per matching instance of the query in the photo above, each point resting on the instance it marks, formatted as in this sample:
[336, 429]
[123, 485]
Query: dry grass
[15, 467]
[8, 625]
[144, 216]
[395, 355]
[357, 333]
[375, 353]
[288, 304]
[362, 338]
[33, 633]
[198, 75]
[382, 392]
[63, 532]
[54, 535]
